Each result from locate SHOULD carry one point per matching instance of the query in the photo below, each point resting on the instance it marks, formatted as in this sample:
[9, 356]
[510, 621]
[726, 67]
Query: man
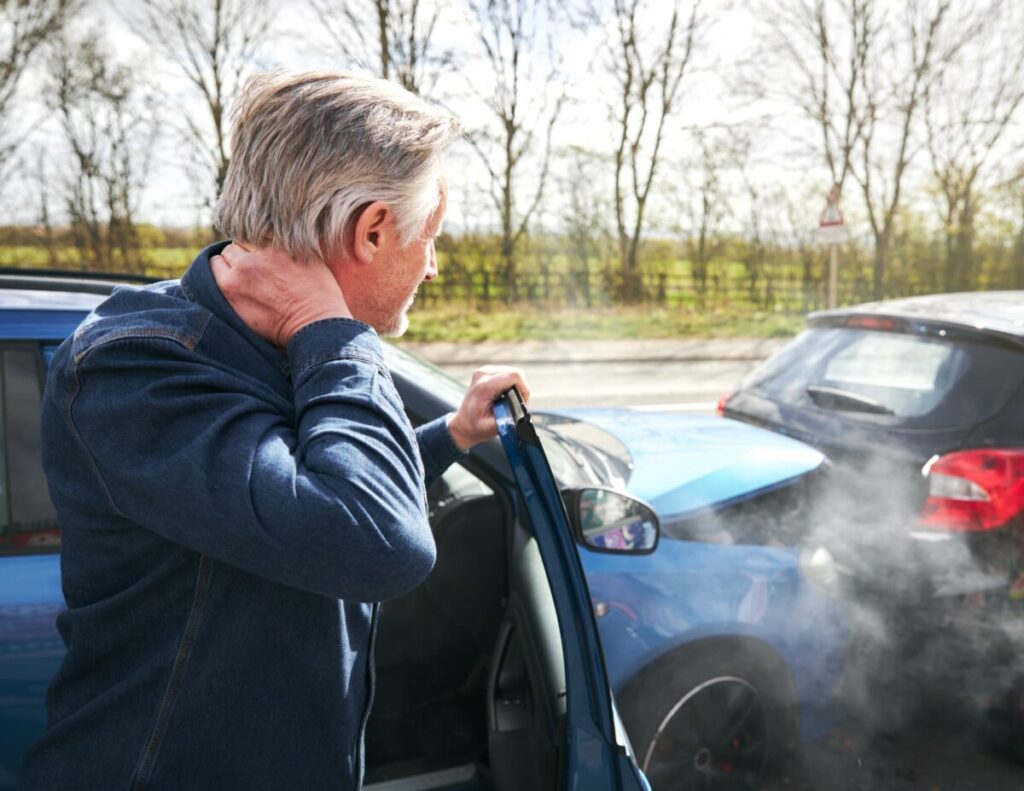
[235, 477]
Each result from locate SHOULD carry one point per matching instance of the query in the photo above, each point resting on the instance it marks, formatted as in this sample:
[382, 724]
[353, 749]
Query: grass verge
[464, 323]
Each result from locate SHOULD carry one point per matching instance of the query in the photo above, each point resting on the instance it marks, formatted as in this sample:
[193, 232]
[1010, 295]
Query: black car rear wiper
[844, 400]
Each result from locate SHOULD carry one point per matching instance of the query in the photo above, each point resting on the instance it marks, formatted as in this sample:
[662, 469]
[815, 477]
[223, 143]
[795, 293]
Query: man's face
[403, 269]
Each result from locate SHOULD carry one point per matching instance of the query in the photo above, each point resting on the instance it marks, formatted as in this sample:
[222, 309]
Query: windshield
[917, 380]
[590, 454]
[902, 373]
[580, 454]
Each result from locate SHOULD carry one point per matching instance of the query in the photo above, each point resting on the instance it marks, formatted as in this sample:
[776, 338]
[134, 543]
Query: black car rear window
[920, 380]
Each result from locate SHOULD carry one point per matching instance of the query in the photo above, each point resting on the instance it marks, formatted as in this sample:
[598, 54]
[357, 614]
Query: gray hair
[310, 150]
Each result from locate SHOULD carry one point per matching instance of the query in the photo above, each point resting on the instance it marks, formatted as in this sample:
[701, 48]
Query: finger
[515, 376]
[231, 253]
[219, 265]
[522, 384]
[497, 383]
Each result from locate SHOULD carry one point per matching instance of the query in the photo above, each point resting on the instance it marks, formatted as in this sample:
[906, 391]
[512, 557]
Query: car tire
[1003, 725]
[715, 715]
[1015, 745]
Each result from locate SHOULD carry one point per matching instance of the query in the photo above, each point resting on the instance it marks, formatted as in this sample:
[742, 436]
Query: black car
[918, 403]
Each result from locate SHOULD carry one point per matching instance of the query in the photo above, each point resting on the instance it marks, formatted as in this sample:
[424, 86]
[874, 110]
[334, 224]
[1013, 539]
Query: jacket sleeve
[437, 448]
[325, 494]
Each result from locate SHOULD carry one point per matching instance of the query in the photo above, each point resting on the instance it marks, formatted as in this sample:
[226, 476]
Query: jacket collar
[200, 287]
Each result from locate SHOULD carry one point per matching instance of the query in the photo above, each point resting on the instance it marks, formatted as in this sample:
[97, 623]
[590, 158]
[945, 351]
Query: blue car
[731, 620]
[721, 640]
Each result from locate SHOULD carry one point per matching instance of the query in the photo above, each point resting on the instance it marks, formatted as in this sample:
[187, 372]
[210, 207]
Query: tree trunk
[1017, 256]
[879, 268]
[632, 287]
[965, 247]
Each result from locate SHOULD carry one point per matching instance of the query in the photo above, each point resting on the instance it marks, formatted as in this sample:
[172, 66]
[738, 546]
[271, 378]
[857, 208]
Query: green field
[461, 323]
[161, 261]
[444, 314]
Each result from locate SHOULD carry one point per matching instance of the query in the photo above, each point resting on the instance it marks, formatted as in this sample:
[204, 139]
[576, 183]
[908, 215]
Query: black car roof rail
[120, 277]
[12, 277]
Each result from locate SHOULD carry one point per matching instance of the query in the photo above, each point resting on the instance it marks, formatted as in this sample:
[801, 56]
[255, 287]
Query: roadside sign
[832, 215]
[831, 235]
[832, 231]
[832, 228]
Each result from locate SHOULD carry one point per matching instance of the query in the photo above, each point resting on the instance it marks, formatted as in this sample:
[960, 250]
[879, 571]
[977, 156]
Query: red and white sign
[831, 225]
[832, 215]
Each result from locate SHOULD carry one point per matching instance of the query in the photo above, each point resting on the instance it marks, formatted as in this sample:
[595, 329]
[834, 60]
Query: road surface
[685, 375]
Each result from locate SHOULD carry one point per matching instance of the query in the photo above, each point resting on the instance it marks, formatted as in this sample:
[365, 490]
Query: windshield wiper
[844, 400]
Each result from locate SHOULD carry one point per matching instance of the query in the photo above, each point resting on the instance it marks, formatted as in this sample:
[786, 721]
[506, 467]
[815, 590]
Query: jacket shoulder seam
[188, 340]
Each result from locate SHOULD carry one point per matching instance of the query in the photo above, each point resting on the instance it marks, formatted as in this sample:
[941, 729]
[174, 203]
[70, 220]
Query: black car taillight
[974, 490]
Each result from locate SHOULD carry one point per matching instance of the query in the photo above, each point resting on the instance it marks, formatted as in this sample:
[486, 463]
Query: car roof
[50, 290]
[993, 313]
[30, 299]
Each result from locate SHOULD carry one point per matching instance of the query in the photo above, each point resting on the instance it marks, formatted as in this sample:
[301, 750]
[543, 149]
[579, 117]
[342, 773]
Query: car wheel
[1003, 726]
[708, 718]
[1016, 705]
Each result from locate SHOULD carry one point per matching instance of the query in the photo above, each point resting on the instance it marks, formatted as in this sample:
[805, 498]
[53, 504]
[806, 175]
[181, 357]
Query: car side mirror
[607, 520]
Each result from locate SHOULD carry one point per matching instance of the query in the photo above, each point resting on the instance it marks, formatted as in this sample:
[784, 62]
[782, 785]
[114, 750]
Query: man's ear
[373, 231]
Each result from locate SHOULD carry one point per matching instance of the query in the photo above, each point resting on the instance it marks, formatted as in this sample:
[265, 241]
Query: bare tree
[817, 53]
[755, 253]
[24, 26]
[583, 213]
[650, 50]
[860, 71]
[968, 110]
[515, 144]
[213, 43]
[39, 177]
[393, 38]
[704, 197]
[761, 219]
[799, 241]
[931, 35]
[1014, 190]
[110, 134]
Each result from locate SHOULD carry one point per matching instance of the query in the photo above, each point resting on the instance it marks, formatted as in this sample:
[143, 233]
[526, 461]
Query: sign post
[832, 231]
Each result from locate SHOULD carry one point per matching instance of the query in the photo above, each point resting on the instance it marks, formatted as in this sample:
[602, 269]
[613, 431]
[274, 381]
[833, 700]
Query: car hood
[683, 463]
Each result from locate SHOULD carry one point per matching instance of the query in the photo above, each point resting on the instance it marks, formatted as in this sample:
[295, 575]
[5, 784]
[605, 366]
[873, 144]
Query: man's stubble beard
[399, 322]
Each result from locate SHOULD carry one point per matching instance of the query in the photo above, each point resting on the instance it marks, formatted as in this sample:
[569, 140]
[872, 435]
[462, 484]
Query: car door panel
[30, 652]
[30, 591]
[592, 757]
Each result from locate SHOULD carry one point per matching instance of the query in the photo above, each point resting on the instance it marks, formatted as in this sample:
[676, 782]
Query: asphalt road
[937, 751]
[684, 375]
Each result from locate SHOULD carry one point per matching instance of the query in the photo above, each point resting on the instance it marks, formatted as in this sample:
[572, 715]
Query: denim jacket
[230, 513]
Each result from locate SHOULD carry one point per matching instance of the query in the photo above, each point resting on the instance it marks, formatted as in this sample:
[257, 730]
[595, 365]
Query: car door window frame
[13, 483]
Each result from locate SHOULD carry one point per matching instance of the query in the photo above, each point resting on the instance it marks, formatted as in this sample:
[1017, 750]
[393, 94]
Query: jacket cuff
[333, 339]
[437, 447]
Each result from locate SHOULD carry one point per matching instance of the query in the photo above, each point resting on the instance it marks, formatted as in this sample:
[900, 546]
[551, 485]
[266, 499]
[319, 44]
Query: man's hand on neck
[274, 295]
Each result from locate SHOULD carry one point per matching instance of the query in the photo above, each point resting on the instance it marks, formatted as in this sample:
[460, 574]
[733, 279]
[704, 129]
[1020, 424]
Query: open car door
[591, 750]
